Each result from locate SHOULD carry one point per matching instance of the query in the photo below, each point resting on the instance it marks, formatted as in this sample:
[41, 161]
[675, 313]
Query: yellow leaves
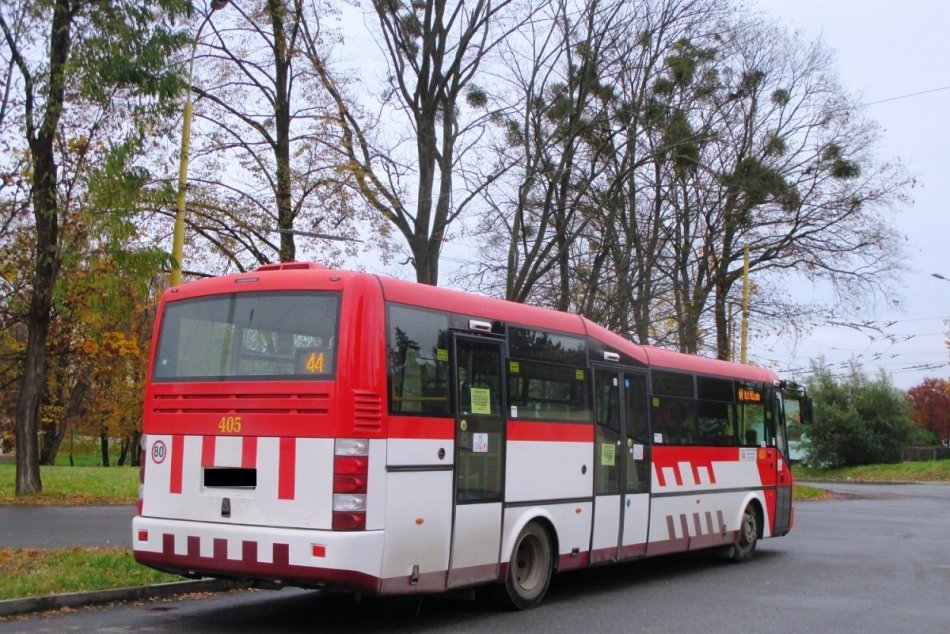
[79, 145]
[113, 343]
[119, 343]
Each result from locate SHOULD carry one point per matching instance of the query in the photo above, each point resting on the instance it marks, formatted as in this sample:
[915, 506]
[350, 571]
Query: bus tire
[748, 536]
[530, 568]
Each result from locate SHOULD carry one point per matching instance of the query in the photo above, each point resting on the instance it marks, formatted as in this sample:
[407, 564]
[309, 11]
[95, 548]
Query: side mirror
[806, 411]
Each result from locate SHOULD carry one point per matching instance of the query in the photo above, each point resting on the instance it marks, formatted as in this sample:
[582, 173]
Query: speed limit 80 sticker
[159, 451]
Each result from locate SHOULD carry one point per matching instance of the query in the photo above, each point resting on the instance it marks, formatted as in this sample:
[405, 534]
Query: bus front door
[479, 461]
[622, 466]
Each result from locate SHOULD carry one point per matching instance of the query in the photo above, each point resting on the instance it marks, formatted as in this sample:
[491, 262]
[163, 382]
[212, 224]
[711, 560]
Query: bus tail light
[349, 521]
[349, 483]
[350, 475]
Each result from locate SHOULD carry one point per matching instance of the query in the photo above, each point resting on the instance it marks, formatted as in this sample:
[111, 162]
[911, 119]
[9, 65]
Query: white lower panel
[418, 452]
[475, 540]
[606, 522]
[548, 470]
[636, 519]
[418, 522]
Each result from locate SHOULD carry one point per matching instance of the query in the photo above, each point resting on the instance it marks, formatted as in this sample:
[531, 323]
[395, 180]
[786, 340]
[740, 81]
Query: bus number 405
[230, 425]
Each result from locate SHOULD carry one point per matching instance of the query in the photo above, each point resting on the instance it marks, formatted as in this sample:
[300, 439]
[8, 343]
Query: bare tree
[553, 133]
[705, 131]
[585, 225]
[790, 172]
[264, 175]
[637, 222]
[434, 50]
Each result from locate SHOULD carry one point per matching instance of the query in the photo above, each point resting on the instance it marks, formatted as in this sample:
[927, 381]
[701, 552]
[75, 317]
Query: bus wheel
[744, 547]
[531, 566]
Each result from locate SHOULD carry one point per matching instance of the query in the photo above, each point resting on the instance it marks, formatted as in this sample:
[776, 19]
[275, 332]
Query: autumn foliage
[931, 406]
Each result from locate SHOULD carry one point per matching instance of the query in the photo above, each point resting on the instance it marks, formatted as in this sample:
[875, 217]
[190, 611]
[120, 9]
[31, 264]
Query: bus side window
[675, 418]
[418, 355]
[548, 391]
[752, 424]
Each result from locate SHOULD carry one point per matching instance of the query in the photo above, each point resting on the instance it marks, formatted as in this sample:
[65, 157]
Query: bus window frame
[238, 336]
[451, 406]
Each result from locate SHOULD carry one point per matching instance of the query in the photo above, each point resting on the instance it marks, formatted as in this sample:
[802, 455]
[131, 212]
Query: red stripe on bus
[551, 432]
[709, 470]
[419, 428]
[178, 463]
[207, 451]
[287, 469]
[249, 452]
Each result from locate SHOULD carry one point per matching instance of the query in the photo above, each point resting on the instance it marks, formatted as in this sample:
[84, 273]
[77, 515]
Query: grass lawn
[802, 492]
[75, 485]
[924, 471]
[33, 573]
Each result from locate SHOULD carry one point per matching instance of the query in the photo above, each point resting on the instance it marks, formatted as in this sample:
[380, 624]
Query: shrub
[857, 420]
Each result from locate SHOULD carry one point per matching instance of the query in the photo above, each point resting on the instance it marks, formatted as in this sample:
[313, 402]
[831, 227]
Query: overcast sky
[888, 50]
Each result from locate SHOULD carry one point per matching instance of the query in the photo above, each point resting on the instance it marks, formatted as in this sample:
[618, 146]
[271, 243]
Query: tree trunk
[53, 439]
[723, 348]
[135, 441]
[123, 452]
[52, 434]
[27, 455]
[45, 213]
[426, 268]
[285, 212]
[104, 446]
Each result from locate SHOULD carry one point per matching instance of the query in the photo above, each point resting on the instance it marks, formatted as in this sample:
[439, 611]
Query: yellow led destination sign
[748, 395]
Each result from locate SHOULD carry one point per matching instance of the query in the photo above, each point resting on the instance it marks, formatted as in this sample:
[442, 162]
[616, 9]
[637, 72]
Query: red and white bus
[318, 428]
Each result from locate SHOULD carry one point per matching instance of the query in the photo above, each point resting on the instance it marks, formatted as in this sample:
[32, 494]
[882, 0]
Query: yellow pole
[178, 242]
[178, 239]
[743, 349]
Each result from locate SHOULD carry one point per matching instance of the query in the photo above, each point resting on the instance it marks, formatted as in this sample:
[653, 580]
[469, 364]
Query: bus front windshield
[249, 336]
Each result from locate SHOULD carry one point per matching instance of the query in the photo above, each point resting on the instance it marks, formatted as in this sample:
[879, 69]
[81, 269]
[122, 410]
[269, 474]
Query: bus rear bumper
[309, 558]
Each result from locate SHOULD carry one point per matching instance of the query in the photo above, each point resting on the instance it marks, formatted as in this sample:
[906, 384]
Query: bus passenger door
[783, 409]
[608, 466]
[636, 502]
[622, 466]
[479, 461]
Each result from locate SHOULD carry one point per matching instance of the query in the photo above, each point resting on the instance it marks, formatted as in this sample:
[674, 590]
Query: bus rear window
[249, 336]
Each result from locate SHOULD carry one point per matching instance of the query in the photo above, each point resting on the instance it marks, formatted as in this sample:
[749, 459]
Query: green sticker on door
[608, 455]
[481, 400]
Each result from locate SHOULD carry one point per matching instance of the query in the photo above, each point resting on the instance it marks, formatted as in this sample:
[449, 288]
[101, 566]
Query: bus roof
[668, 359]
[304, 275]
[446, 299]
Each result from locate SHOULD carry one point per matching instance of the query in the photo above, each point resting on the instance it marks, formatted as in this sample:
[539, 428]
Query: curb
[12, 607]
[833, 482]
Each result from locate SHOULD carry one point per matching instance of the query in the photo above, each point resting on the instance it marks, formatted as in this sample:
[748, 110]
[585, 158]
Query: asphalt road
[24, 526]
[875, 564]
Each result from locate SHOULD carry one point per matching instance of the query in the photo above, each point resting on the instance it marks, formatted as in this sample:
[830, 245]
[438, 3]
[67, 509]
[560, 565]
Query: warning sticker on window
[481, 400]
[608, 455]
